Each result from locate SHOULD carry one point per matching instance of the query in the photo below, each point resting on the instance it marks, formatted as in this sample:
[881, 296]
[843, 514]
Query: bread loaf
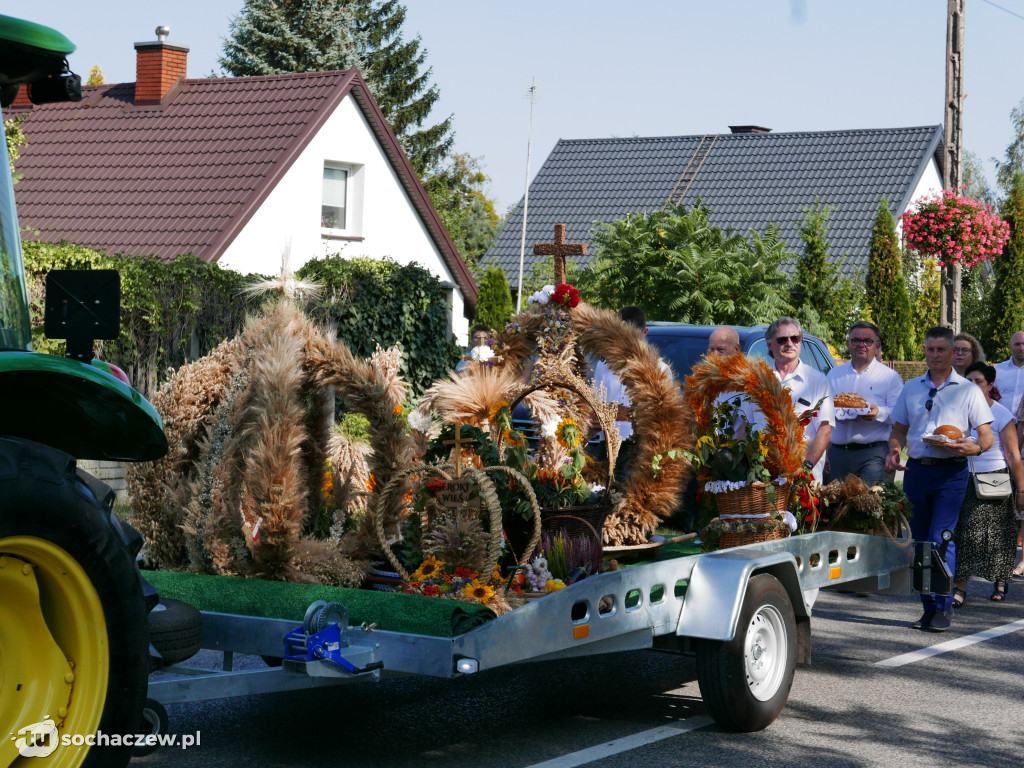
[948, 430]
[849, 400]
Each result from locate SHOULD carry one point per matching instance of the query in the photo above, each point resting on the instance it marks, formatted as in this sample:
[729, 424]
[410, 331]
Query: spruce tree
[886, 290]
[1008, 295]
[401, 84]
[494, 302]
[818, 282]
[274, 37]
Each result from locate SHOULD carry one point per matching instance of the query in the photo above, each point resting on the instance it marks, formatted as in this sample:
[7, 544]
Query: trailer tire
[175, 630]
[73, 618]
[745, 681]
[155, 722]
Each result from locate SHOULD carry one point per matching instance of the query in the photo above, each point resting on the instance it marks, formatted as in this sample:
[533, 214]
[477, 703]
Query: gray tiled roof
[747, 181]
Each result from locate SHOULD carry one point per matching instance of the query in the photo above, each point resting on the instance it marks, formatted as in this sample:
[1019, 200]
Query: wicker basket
[752, 500]
[730, 539]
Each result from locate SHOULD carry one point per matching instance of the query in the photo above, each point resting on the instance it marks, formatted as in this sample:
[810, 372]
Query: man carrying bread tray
[931, 417]
[864, 392]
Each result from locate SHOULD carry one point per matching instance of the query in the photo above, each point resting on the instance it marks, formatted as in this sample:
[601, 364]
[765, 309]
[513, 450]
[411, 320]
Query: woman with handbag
[986, 535]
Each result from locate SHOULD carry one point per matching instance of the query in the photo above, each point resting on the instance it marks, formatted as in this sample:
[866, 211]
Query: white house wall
[379, 212]
[929, 184]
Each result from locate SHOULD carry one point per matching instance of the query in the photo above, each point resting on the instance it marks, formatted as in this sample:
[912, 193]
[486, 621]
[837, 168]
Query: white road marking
[951, 645]
[625, 744]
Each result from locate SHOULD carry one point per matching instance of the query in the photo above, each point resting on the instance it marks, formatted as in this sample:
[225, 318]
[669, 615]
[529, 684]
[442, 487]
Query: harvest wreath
[751, 481]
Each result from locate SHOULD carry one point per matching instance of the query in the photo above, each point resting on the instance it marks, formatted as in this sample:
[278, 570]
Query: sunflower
[496, 411]
[513, 437]
[429, 568]
[478, 591]
[568, 433]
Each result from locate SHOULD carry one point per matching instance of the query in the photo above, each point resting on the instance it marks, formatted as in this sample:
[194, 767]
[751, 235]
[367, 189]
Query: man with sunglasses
[807, 387]
[936, 477]
[860, 442]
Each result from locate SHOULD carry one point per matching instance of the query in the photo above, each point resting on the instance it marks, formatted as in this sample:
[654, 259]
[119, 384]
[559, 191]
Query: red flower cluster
[566, 295]
[435, 485]
[955, 228]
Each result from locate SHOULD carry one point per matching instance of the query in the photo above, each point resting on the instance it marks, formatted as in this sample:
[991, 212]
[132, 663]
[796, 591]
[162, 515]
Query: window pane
[332, 211]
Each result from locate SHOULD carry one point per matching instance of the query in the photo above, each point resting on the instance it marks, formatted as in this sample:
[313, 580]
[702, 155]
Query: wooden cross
[458, 442]
[559, 249]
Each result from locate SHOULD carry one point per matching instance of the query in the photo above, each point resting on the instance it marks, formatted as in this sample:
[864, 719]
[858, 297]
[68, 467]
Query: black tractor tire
[175, 630]
[745, 681]
[58, 529]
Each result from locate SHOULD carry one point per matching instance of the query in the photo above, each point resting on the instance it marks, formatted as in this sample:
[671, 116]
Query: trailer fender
[717, 585]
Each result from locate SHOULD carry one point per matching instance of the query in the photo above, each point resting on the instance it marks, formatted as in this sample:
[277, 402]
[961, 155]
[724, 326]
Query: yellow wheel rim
[54, 650]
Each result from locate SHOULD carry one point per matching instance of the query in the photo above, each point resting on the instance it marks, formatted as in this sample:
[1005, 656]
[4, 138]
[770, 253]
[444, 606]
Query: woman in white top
[986, 534]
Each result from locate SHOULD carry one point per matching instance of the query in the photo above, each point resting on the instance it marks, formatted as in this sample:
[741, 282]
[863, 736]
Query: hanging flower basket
[955, 229]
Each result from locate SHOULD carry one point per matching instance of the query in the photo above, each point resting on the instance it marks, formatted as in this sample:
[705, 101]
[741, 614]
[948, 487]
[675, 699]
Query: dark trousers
[936, 494]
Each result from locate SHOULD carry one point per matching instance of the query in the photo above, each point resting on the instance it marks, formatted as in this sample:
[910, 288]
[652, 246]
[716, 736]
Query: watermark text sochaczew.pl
[42, 739]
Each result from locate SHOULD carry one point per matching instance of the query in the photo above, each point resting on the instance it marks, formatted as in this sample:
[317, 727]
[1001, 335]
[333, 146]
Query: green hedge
[373, 302]
[170, 312]
[178, 311]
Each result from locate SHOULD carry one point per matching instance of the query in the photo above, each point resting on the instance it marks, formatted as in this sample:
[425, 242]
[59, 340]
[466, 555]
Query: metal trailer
[744, 612]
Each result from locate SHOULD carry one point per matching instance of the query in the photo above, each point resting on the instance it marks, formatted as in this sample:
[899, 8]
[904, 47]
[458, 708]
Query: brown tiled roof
[185, 176]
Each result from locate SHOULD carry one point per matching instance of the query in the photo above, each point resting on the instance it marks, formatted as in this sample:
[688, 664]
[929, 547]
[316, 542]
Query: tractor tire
[175, 630]
[73, 635]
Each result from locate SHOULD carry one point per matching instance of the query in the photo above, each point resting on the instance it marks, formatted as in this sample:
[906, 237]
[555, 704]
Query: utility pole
[953, 138]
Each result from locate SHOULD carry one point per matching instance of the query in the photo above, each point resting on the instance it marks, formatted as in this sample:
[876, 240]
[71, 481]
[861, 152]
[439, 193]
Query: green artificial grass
[392, 611]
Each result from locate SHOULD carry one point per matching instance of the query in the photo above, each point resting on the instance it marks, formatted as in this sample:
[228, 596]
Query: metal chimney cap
[162, 32]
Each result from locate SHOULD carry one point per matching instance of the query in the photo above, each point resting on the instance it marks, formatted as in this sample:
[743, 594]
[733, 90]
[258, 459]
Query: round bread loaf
[948, 430]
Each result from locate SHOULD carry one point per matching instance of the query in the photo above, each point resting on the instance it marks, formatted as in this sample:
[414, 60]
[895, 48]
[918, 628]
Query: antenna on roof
[531, 94]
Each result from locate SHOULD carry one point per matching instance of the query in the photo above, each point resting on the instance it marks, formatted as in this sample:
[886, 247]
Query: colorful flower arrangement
[436, 578]
[955, 228]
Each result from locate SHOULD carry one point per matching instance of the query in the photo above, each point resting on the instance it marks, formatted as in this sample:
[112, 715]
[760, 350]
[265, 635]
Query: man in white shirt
[1010, 375]
[806, 387]
[860, 442]
[936, 477]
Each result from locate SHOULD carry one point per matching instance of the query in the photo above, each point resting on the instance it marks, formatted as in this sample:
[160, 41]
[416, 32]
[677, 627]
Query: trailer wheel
[154, 723]
[745, 681]
[176, 630]
[73, 639]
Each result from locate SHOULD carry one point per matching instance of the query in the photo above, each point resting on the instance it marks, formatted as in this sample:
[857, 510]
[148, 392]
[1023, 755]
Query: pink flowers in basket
[955, 229]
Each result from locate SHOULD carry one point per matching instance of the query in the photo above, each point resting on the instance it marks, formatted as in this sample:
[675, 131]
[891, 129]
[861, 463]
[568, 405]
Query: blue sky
[650, 68]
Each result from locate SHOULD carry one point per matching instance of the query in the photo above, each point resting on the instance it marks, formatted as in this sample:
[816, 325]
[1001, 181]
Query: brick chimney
[749, 129]
[21, 101]
[158, 66]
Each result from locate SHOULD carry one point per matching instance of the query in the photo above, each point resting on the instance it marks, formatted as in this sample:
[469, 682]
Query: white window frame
[353, 202]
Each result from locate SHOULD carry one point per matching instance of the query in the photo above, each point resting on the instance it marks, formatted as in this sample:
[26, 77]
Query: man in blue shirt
[936, 476]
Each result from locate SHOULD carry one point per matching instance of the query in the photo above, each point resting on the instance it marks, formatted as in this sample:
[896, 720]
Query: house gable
[188, 174]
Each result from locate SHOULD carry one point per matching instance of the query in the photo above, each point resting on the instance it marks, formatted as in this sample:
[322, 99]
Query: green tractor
[74, 646]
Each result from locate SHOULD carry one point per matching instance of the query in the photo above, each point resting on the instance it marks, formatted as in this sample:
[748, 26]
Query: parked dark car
[681, 345]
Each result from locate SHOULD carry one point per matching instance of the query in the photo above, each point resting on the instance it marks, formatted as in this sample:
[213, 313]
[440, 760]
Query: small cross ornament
[458, 442]
[560, 249]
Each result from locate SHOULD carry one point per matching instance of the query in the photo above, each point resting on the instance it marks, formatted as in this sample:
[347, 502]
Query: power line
[1005, 10]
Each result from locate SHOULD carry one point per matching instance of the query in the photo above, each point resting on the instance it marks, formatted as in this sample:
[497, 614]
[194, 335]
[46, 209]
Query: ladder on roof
[700, 154]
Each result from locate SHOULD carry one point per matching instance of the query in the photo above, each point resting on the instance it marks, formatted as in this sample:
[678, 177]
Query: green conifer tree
[494, 302]
[1008, 295]
[818, 282]
[402, 85]
[274, 37]
[885, 288]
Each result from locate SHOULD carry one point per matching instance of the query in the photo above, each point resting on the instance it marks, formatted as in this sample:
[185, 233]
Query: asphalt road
[962, 707]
